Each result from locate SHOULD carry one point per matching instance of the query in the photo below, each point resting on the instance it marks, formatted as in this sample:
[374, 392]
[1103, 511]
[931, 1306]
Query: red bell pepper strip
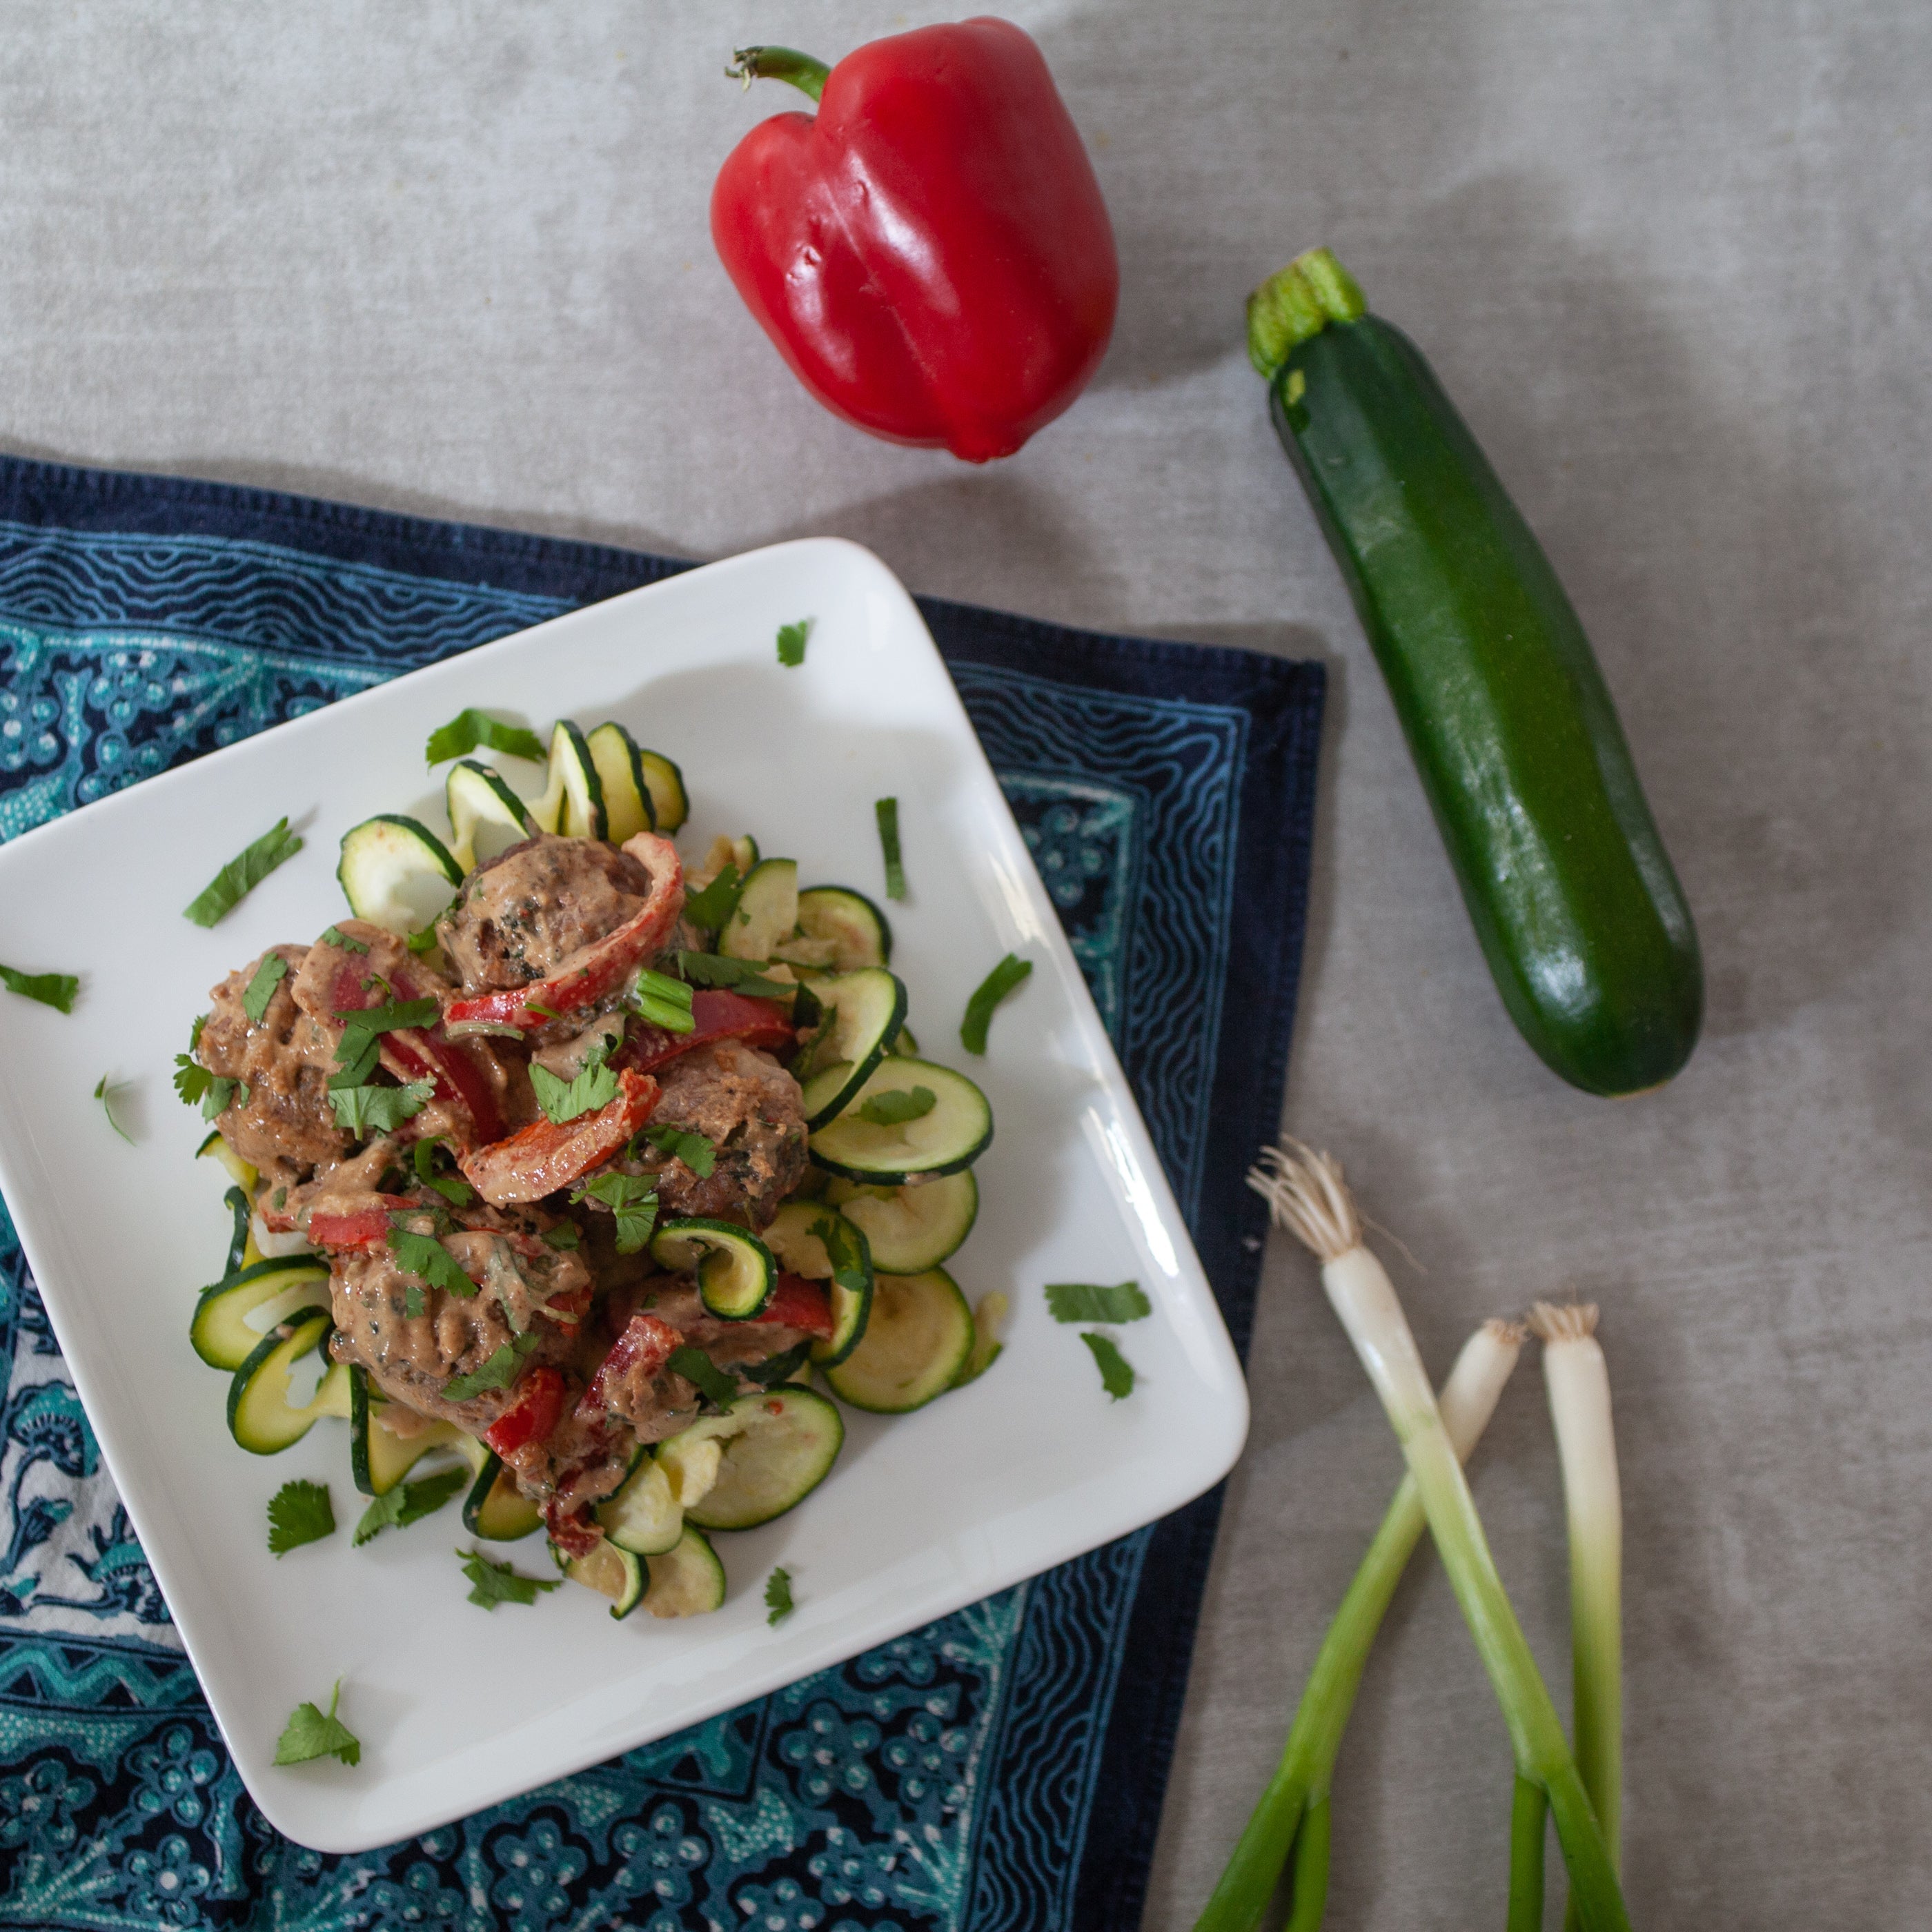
[930, 253]
[597, 969]
[362, 1228]
[798, 1303]
[641, 1352]
[532, 1413]
[576, 1532]
[548, 1155]
[715, 1016]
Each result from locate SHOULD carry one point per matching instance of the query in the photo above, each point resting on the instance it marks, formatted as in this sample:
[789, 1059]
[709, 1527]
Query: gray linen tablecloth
[1671, 262]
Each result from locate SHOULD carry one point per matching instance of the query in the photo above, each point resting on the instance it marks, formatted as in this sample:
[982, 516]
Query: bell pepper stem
[788, 63]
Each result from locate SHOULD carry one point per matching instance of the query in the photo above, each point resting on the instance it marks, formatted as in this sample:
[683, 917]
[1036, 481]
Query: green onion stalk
[1292, 1821]
[1579, 1383]
[1307, 1196]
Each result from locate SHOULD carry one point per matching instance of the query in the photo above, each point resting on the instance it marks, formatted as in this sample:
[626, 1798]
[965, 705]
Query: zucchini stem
[1296, 302]
[1294, 1808]
[1306, 1195]
[1579, 1383]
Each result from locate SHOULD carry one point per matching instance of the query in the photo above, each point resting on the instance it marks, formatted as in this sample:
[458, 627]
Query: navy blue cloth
[1002, 1768]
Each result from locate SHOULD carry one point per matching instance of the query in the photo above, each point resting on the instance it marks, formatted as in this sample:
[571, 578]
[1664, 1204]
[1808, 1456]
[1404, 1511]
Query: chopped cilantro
[333, 935]
[697, 1153]
[1117, 1375]
[595, 1087]
[412, 1301]
[995, 987]
[709, 909]
[356, 1054]
[310, 1733]
[270, 974]
[380, 1110]
[470, 728]
[711, 1382]
[299, 1512]
[887, 811]
[51, 989]
[791, 642]
[742, 976]
[850, 1266]
[391, 1017]
[423, 1255]
[499, 1371]
[105, 1095]
[537, 1006]
[193, 1083]
[408, 1503]
[1087, 1301]
[243, 873]
[494, 1583]
[457, 1193]
[632, 1198]
[778, 1595]
[563, 1237]
[280, 1198]
[894, 1106]
[424, 941]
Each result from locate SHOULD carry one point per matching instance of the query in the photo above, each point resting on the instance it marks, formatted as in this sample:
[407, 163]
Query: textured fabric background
[1671, 261]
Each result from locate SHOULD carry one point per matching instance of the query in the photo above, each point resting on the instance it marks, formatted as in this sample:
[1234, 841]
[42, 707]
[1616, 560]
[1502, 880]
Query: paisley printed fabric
[950, 1780]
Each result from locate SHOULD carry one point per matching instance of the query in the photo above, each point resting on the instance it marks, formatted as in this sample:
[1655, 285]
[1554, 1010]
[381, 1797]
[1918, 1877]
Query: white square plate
[1031, 1465]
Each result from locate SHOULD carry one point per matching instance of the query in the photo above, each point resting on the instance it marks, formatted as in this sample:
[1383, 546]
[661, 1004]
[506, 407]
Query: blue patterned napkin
[1002, 1769]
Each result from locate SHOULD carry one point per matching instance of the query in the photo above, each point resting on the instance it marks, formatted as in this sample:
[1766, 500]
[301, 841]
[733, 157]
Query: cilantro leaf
[1117, 1374]
[458, 1193]
[1087, 1301]
[563, 1237]
[711, 1382]
[791, 642]
[998, 984]
[408, 1503]
[299, 1512]
[423, 940]
[379, 1110]
[887, 811]
[426, 1257]
[778, 1595]
[697, 1153]
[469, 728]
[271, 972]
[193, 1083]
[105, 1095]
[51, 989]
[632, 1198]
[310, 1733]
[356, 1054]
[851, 1266]
[243, 873]
[412, 1301]
[494, 1583]
[538, 1006]
[391, 1017]
[709, 909]
[593, 1089]
[894, 1106]
[499, 1371]
[333, 935]
[742, 976]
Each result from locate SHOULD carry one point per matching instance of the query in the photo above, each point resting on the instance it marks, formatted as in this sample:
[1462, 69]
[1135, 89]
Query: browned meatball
[287, 1129]
[750, 1109]
[522, 914]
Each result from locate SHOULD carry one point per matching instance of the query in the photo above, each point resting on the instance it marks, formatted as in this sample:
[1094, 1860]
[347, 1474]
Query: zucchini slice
[396, 873]
[612, 1571]
[628, 807]
[260, 1416]
[766, 912]
[495, 1508]
[796, 1238]
[644, 1515]
[911, 1229]
[856, 928]
[904, 1042]
[919, 1338]
[688, 1580]
[238, 1205]
[222, 1335]
[379, 1458]
[735, 1272]
[989, 1319]
[335, 1394]
[486, 815]
[866, 1009]
[952, 1136]
[238, 1171]
[665, 784]
[573, 801]
[778, 1446]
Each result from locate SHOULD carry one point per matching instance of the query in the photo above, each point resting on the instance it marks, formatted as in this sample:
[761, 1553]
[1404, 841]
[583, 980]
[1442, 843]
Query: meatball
[522, 914]
[750, 1109]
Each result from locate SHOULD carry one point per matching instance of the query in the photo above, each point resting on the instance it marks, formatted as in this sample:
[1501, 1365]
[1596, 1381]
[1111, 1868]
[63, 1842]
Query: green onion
[1292, 1816]
[995, 987]
[887, 812]
[1307, 1196]
[1580, 1405]
[105, 1094]
[661, 1001]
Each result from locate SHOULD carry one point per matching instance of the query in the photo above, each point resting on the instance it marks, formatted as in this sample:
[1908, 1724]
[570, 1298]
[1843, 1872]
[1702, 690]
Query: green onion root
[1307, 1196]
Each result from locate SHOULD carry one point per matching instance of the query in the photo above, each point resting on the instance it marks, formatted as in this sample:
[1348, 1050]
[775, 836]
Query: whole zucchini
[1576, 905]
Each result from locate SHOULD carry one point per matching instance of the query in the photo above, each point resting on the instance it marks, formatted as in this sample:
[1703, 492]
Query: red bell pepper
[531, 1416]
[798, 1303]
[361, 1227]
[714, 1015]
[930, 253]
[549, 1154]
